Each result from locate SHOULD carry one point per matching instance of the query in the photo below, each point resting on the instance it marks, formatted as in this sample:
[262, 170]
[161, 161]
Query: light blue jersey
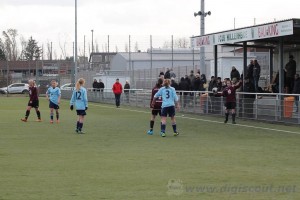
[79, 99]
[54, 94]
[168, 95]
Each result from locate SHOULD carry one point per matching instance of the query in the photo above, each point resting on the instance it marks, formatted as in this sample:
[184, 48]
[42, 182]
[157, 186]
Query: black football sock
[27, 114]
[51, 116]
[174, 127]
[80, 126]
[77, 126]
[233, 117]
[226, 116]
[57, 115]
[151, 125]
[38, 113]
[163, 128]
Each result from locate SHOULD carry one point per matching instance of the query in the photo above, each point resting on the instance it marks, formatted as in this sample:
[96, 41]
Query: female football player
[33, 101]
[53, 95]
[169, 103]
[156, 108]
[79, 99]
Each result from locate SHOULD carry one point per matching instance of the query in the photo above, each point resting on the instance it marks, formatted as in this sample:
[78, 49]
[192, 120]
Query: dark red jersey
[157, 105]
[33, 93]
[229, 92]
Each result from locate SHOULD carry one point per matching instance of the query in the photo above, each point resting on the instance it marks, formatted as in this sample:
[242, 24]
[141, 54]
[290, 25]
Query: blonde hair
[167, 82]
[79, 83]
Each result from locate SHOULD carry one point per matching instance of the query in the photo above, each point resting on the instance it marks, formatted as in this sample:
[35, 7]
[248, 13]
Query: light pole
[92, 40]
[75, 46]
[202, 15]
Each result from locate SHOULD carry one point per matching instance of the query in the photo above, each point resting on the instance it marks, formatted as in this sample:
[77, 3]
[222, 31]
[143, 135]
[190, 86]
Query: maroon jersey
[229, 92]
[33, 93]
[157, 105]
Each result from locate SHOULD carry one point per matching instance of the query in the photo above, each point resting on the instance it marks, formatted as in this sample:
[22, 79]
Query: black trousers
[117, 97]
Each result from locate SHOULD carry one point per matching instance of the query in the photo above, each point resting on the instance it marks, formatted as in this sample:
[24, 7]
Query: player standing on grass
[53, 95]
[230, 103]
[156, 108]
[169, 103]
[33, 101]
[79, 99]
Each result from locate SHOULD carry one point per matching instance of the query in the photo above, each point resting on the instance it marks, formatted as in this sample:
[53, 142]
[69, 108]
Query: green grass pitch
[116, 159]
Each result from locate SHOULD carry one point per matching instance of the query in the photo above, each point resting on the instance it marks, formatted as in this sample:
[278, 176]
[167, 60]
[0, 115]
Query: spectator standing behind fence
[174, 84]
[127, 90]
[101, 87]
[249, 73]
[290, 69]
[234, 74]
[172, 74]
[117, 90]
[248, 98]
[296, 90]
[184, 86]
[212, 84]
[167, 74]
[256, 74]
[95, 85]
[203, 81]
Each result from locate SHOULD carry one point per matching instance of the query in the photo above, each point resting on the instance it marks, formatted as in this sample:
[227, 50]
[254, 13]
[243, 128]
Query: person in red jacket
[117, 90]
[230, 102]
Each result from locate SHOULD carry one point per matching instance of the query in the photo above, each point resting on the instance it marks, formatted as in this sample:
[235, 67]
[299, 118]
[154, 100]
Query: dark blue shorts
[53, 105]
[81, 112]
[168, 111]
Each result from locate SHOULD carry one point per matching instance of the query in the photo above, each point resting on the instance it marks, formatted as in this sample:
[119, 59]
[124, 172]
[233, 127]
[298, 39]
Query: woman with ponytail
[79, 99]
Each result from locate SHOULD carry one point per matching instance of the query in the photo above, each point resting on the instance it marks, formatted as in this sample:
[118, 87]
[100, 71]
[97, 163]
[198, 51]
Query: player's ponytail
[167, 83]
[79, 83]
[159, 82]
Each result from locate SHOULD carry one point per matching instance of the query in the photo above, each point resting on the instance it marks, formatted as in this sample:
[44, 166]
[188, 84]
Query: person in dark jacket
[296, 90]
[249, 73]
[290, 69]
[197, 83]
[101, 88]
[126, 90]
[203, 81]
[184, 86]
[212, 84]
[256, 74]
[234, 74]
[174, 84]
[167, 74]
[95, 85]
[248, 98]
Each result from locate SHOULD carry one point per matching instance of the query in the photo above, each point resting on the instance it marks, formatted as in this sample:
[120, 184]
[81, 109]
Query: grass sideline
[117, 160]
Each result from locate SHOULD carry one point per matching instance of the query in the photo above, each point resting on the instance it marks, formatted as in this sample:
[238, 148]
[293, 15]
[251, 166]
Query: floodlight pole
[202, 32]
[75, 47]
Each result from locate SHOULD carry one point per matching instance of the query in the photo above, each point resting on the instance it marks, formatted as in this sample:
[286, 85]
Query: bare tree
[182, 43]
[167, 44]
[136, 47]
[23, 47]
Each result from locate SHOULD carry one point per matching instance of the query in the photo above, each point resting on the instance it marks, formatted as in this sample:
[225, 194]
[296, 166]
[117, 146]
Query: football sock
[51, 116]
[233, 117]
[38, 113]
[151, 125]
[174, 128]
[163, 128]
[226, 116]
[57, 115]
[80, 126]
[27, 114]
[77, 126]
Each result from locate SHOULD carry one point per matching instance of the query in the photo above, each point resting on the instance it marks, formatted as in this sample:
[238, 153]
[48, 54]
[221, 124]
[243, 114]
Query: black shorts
[156, 112]
[81, 112]
[230, 105]
[34, 104]
[168, 111]
[53, 105]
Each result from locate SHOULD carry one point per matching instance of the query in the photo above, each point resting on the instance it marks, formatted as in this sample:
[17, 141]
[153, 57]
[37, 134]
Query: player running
[230, 103]
[33, 101]
[79, 99]
[169, 103]
[53, 95]
[156, 108]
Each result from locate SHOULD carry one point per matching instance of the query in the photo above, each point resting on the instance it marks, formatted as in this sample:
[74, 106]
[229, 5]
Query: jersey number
[78, 95]
[167, 94]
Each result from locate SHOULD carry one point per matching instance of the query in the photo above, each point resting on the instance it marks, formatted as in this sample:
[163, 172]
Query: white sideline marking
[205, 120]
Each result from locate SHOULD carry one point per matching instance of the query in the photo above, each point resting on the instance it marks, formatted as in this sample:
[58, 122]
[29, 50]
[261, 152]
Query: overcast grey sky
[53, 20]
